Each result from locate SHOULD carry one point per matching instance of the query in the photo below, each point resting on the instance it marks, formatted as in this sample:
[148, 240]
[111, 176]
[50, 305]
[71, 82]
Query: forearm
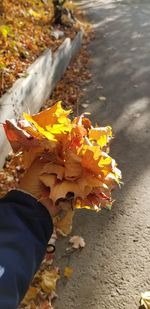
[25, 228]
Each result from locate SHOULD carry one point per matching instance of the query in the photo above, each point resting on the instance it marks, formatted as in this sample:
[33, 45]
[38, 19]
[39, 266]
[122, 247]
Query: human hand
[31, 184]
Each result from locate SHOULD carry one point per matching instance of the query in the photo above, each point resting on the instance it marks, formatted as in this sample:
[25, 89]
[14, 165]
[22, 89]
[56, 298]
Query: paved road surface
[114, 267]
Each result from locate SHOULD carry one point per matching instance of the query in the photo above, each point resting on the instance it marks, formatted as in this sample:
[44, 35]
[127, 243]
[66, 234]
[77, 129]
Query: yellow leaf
[105, 160]
[68, 272]
[86, 204]
[42, 131]
[34, 14]
[50, 122]
[59, 129]
[48, 280]
[5, 30]
[95, 150]
[50, 116]
[101, 135]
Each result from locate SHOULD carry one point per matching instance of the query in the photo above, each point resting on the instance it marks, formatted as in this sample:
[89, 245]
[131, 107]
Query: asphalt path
[114, 267]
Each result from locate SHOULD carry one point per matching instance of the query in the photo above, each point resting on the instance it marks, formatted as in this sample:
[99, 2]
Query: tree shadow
[113, 268]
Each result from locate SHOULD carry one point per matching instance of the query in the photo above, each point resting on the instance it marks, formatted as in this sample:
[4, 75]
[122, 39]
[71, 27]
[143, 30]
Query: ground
[113, 269]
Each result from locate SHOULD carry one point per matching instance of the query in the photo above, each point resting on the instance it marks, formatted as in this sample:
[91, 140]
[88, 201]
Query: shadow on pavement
[113, 268]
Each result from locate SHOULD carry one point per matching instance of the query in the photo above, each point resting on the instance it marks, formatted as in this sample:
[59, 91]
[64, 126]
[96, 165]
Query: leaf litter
[26, 30]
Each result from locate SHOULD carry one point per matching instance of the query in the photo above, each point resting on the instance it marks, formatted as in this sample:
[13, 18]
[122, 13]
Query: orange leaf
[50, 116]
[61, 189]
[17, 137]
[30, 155]
[31, 294]
[48, 180]
[73, 168]
[90, 159]
[51, 168]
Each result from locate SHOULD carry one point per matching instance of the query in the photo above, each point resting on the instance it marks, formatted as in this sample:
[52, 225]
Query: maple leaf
[38, 128]
[51, 123]
[52, 168]
[51, 116]
[90, 158]
[61, 189]
[77, 134]
[48, 180]
[73, 168]
[18, 138]
[101, 135]
[30, 155]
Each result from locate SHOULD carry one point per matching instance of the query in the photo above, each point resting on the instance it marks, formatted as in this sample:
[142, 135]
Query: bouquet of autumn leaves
[78, 170]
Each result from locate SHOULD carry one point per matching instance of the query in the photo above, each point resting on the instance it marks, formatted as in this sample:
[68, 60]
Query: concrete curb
[28, 93]
[76, 44]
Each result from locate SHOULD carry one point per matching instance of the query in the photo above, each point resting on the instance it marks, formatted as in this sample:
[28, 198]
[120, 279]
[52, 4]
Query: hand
[31, 184]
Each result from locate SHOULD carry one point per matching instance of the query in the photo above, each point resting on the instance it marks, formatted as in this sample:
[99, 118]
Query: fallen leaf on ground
[68, 272]
[84, 105]
[99, 87]
[77, 242]
[102, 98]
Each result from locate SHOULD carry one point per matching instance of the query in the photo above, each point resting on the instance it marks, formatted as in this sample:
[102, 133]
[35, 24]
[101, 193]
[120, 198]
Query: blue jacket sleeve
[25, 228]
